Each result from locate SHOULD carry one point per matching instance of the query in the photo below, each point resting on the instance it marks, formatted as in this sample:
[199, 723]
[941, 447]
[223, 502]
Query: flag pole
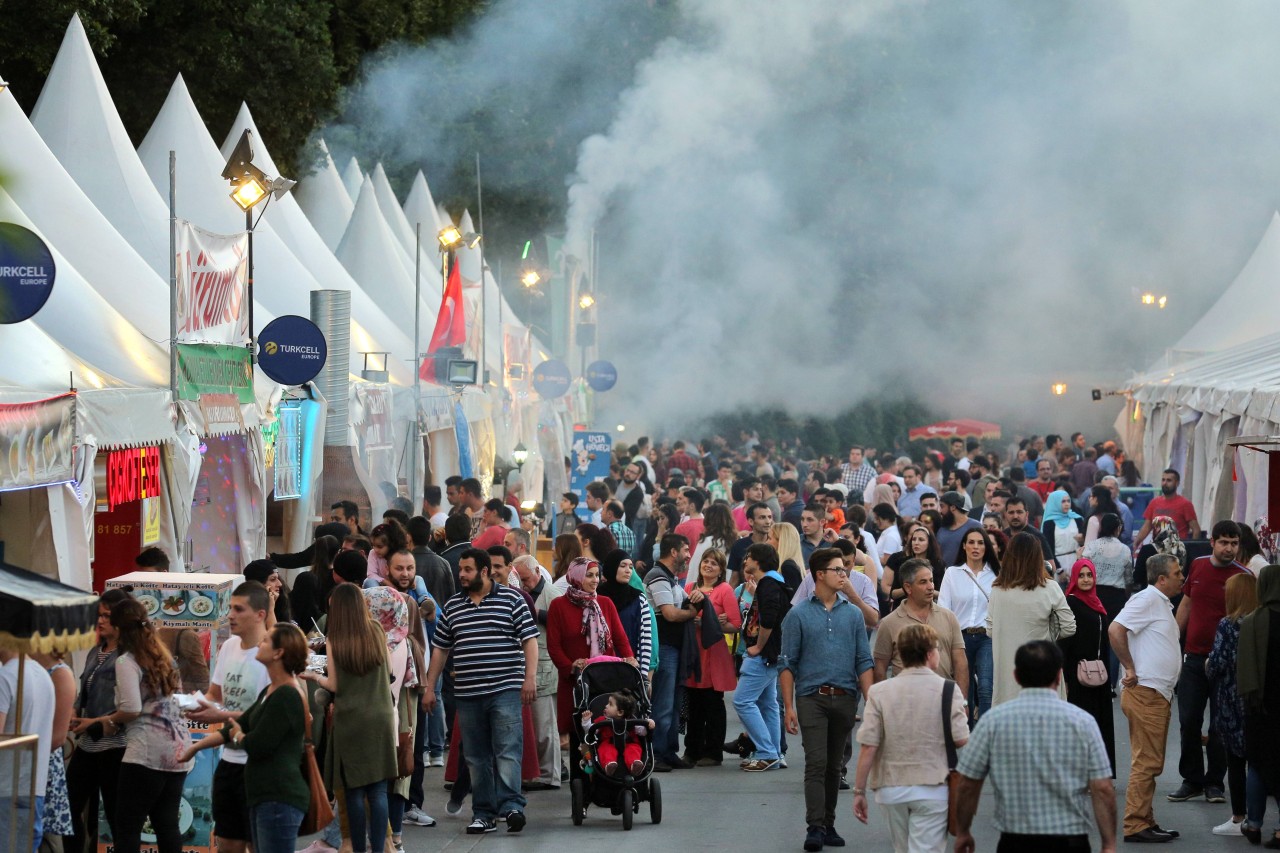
[414, 491]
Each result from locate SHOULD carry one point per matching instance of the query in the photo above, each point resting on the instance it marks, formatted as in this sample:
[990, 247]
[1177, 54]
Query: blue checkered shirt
[1040, 754]
[856, 480]
[626, 538]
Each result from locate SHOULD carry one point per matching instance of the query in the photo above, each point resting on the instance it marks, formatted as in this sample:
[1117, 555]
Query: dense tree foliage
[875, 423]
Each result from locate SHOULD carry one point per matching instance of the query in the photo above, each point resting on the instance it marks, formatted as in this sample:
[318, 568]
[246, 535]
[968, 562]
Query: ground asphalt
[724, 808]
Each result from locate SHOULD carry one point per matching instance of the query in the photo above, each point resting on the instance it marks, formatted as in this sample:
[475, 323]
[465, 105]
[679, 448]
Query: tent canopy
[958, 428]
[42, 615]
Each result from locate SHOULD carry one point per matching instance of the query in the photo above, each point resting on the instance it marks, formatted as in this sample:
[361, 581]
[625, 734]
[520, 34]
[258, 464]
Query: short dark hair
[454, 480]
[1177, 478]
[501, 551]
[351, 566]
[259, 598]
[671, 543]
[695, 497]
[471, 486]
[790, 485]
[419, 530]
[1037, 663]
[494, 505]
[755, 507]
[598, 490]
[457, 528]
[820, 559]
[431, 495]
[349, 509]
[571, 497]
[152, 558]
[480, 555]
[1225, 529]
[398, 514]
[765, 555]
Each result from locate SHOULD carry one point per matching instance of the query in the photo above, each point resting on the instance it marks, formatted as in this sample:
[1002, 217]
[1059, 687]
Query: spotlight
[450, 238]
[530, 278]
[1059, 388]
[585, 301]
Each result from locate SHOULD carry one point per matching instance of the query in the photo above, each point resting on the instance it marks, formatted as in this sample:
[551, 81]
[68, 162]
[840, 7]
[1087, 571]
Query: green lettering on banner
[214, 369]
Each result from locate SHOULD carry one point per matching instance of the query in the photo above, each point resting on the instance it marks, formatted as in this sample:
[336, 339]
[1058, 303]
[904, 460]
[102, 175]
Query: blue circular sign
[292, 350]
[551, 379]
[602, 375]
[26, 273]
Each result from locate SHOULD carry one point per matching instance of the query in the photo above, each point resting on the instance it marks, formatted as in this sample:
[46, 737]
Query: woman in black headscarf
[616, 572]
[1258, 682]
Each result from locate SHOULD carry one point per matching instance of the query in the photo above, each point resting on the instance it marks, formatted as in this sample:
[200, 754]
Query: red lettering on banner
[216, 293]
[132, 475]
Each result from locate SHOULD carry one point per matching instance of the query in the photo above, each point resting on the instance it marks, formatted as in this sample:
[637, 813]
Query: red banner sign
[132, 475]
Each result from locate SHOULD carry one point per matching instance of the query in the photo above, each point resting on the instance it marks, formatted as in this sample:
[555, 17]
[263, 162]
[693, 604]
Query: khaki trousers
[1148, 713]
[548, 737]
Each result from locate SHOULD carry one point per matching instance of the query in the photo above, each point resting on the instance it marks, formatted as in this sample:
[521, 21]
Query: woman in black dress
[1089, 643]
[1258, 681]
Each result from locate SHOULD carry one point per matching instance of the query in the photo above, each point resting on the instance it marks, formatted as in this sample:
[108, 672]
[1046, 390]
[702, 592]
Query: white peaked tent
[353, 179]
[371, 329]
[392, 212]
[324, 200]
[421, 207]
[376, 261]
[1246, 310]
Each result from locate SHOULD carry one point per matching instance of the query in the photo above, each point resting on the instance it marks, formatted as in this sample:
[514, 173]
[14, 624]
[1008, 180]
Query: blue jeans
[371, 824]
[666, 705]
[25, 815]
[435, 729]
[274, 827]
[493, 743]
[977, 648]
[756, 701]
[1193, 696]
[1255, 799]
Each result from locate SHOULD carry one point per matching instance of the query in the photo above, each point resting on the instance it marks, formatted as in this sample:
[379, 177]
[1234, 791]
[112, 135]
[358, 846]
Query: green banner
[214, 369]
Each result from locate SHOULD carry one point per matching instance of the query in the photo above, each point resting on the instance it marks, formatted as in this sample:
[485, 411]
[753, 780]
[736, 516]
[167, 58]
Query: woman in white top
[719, 532]
[1100, 503]
[966, 592]
[1250, 553]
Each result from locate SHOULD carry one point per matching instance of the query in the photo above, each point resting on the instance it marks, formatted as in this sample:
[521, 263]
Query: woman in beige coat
[1025, 605]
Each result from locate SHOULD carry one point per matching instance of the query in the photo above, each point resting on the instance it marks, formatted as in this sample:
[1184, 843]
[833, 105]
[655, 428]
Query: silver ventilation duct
[331, 311]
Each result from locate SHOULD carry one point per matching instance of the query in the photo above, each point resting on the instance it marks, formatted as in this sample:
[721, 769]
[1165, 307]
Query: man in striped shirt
[494, 640]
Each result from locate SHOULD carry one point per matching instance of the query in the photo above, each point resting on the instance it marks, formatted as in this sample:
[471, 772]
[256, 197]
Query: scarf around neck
[1053, 509]
[594, 626]
[1090, 598]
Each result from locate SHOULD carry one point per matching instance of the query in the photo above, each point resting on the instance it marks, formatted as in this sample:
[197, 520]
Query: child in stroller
[620, 707]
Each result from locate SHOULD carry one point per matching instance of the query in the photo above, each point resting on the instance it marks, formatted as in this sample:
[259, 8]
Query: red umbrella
[958, 428]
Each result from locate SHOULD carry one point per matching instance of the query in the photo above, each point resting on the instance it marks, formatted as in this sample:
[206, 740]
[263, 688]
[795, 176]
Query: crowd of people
[953, 618]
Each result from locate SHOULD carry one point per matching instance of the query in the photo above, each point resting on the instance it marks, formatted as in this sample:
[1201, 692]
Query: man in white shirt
[1144, 637]
[237, 680]
[36, 716]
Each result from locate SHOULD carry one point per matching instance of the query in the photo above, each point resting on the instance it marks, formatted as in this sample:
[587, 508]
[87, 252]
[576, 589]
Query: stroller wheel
[655, 801]
[579, 807]
[628, 807]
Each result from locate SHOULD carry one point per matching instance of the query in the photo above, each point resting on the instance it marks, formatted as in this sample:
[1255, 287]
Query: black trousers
[416, 796]
[1193, 697]
[88, 775]
[705, 730]
[152, 794]
[1011, 843]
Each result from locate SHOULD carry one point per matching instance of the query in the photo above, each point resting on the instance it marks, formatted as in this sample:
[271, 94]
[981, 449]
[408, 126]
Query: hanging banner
[37, 441]
[375, 432]
[589, 457]
[213, 272]
[292, 350]
[27, 272]
[214, 369]
[463, 431]
[288, 452]
[133, 474]
[221, 414]
[150, 521]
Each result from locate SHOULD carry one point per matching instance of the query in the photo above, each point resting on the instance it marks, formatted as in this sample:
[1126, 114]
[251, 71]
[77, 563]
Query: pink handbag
[1093, 673]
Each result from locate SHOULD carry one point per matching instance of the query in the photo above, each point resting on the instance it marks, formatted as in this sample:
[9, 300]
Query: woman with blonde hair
[1226, 708]
[152, 770]
[786, 541]
[1025, 605]
[361, 754]
[705, 732]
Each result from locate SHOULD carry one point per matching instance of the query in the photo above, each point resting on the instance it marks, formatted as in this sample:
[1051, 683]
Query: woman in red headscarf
[1090, 646]
[581, 626]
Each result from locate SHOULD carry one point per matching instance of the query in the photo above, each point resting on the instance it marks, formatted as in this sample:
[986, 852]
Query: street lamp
[585, 301]
[530, 278]
[1059, 388]
[249, 186]
[520, 454]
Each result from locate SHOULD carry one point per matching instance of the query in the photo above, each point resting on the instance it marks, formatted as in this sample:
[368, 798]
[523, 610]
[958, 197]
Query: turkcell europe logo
[293, 350]
[27, 272]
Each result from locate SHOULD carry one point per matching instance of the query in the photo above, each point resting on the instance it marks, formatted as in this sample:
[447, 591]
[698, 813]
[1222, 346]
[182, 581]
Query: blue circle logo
[551, 379]
[292, 350]
[26, 273]
[601, 375]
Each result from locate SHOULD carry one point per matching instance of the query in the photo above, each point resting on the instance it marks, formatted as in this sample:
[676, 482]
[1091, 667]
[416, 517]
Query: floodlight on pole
[450, 238]
[1162, 301]
[1148, 298]
[1059, 388]
[585, 301]
[530, 278]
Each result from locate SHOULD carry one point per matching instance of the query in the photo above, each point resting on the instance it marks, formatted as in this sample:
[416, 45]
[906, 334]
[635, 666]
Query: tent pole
[415, 493]
[173, 275]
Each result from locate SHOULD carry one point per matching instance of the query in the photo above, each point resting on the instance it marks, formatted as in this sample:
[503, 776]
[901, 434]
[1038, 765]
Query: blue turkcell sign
[551, 379]
[601, 375]
[292, 350]
[26, 273]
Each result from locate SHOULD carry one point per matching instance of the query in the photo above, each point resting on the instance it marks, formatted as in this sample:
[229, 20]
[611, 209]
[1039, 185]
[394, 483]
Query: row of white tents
[1210, 407]
[71, 175]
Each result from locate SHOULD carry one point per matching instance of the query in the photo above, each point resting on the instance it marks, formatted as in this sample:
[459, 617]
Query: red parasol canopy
[959, 428]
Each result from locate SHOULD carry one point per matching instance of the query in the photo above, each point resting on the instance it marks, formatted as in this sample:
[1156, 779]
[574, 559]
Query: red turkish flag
[451, 325]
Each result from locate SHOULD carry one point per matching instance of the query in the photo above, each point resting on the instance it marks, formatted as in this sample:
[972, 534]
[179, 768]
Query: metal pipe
[415, 493]
[484, 291]
[248, 226]
[173, 275]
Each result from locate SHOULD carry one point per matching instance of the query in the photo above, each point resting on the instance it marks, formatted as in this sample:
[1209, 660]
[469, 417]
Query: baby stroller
[588, 783]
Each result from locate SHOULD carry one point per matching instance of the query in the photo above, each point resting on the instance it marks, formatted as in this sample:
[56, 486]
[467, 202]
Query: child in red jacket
[621, 706]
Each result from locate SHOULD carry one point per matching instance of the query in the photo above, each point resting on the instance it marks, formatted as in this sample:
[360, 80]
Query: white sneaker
[317, 846]
[435, 761]
[782, 762]
[1230, 828]
[418, 817]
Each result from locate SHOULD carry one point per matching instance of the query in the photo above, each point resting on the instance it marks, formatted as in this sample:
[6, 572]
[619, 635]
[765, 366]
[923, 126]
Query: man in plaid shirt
[856, 474]
[612, 514]
[1046, 761]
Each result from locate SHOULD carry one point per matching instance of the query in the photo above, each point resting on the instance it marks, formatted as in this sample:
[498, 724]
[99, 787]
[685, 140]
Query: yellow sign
[150, 521]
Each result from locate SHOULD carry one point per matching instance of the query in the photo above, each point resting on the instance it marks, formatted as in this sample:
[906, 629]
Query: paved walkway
[723, 808]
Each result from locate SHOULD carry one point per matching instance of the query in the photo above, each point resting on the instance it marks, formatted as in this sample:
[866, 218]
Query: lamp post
[249, 186]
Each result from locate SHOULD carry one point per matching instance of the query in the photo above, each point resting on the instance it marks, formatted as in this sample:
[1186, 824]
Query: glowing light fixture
[585, 301]
[1059, 388]
[248, 192]
[530, 278]
[1162, 301]
[1148, 298]
[450, 238]
[622, 427]
[520, 454]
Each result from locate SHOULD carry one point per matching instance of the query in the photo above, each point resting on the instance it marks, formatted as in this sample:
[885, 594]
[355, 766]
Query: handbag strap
[306, 715]
[969, 574]
[1100, 630]
[948, 691]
